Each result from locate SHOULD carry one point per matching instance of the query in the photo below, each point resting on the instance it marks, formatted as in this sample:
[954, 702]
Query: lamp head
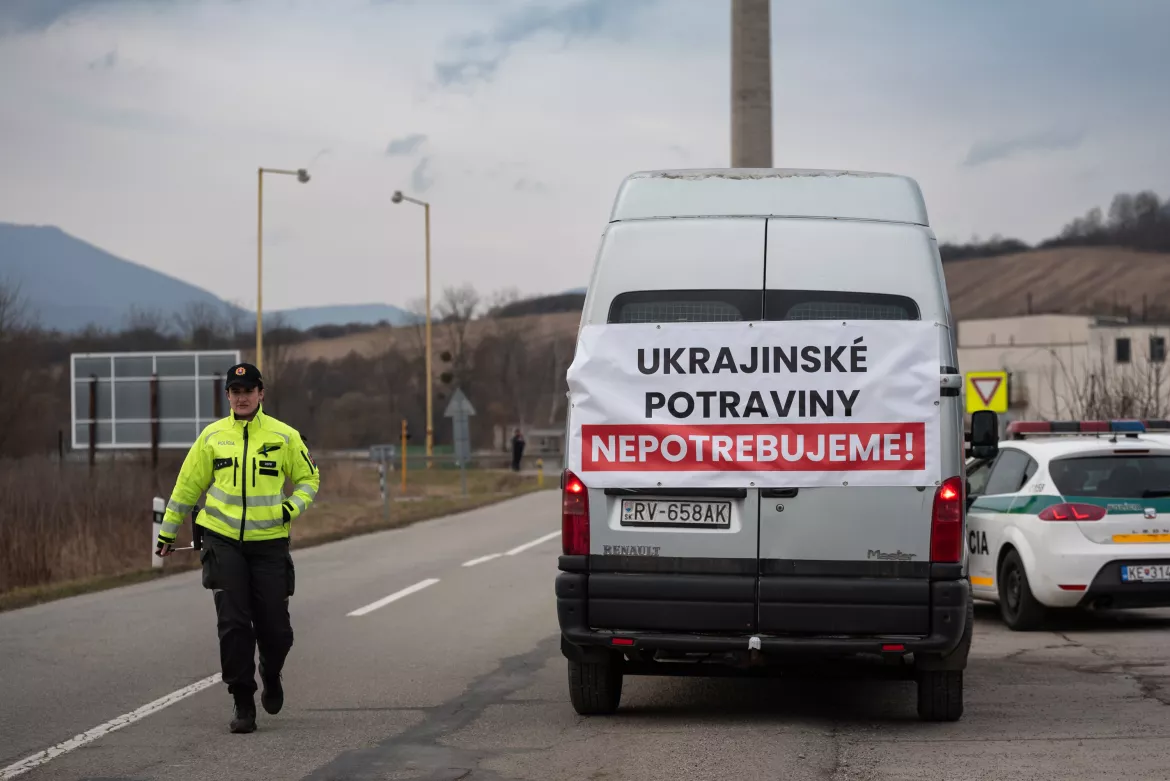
[396, 197]
[302, 175]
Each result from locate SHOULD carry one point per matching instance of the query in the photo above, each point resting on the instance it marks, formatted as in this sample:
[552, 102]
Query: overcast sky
[138, 125]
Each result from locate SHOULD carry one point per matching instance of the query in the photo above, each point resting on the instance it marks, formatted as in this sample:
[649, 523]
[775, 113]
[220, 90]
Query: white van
[820, 572]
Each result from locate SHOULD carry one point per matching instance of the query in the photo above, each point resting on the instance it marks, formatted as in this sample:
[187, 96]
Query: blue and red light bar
[1018, 428]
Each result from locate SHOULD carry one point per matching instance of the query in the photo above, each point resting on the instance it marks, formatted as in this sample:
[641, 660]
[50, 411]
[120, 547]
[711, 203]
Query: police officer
[241, 462]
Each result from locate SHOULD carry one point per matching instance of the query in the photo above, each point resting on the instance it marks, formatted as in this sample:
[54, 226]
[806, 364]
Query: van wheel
[940, 695]
[595, 688]
[1017, 605]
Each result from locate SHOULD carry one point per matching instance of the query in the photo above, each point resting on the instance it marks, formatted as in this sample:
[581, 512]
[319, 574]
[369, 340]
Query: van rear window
[686, 306]
[837, 305]
[713, 306]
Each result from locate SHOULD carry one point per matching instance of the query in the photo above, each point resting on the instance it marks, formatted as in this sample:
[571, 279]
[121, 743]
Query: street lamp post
[398, 197]
[302, 176]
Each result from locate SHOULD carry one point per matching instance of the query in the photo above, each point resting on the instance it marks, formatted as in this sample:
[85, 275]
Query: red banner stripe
[800, 447]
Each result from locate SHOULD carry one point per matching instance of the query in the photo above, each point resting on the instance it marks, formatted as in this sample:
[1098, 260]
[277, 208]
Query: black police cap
[244, 374]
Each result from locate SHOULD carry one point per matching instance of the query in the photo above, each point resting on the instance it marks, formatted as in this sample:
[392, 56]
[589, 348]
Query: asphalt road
[463, 679]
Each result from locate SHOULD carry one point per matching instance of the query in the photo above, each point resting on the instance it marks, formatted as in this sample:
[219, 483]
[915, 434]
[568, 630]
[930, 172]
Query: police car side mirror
[984, 436]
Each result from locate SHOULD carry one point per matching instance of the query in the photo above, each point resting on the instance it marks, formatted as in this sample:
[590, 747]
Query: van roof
[769, 192]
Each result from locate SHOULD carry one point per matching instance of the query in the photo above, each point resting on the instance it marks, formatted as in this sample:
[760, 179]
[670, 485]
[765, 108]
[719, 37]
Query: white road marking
[533, 544]
[361, 611]
[482, 559]
[40, 758]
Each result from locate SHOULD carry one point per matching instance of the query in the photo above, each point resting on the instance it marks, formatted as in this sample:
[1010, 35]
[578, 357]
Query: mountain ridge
[69, 285]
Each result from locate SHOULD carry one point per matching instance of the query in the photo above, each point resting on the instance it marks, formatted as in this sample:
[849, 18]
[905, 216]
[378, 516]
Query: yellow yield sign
[987, 391]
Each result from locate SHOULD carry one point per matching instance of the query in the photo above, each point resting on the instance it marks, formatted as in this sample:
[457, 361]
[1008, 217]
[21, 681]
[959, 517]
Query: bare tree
[1097, 388]
[456, 308]
[237, 328]
[276, 359]
[144, 320]
[21, 397]
[14, 314]
[417, 309]
[200, 325]
[501, 298]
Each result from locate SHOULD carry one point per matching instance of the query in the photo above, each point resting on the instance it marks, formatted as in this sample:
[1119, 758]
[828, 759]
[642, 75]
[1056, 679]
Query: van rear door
[668, 558]
[816, 543]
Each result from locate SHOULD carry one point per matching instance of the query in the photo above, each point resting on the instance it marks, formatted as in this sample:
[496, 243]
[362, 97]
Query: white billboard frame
[223, 358]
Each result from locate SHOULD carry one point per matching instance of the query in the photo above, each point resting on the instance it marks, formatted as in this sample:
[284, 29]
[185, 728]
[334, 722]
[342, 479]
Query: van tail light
[1072, 512]
[574, 515]
[946, 522]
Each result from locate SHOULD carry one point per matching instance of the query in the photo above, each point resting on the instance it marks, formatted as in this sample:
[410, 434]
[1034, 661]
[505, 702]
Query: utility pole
[751, 84]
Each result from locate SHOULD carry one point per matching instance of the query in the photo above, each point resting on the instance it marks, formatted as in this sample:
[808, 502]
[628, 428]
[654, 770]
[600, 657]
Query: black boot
[245, 713]
[272, 695]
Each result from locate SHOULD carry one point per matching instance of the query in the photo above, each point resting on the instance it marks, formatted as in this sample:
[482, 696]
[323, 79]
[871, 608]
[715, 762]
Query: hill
[1069, 280]
[70, 284]
[1066, 280]
[444, 336]
[305, 318]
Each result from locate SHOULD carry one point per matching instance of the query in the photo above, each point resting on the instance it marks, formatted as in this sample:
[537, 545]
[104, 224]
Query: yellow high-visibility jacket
[242, 465]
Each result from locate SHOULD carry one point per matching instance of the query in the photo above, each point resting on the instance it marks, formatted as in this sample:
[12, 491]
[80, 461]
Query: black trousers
[251, 583]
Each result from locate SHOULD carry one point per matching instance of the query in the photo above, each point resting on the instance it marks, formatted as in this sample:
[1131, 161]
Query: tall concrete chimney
[751, 84]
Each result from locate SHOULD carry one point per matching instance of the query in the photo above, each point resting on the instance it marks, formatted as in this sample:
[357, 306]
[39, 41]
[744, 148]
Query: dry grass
[67, 530]
[407, 339]
[1068, 280]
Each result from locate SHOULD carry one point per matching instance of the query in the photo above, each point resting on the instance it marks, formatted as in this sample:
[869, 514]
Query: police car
[1071, 514]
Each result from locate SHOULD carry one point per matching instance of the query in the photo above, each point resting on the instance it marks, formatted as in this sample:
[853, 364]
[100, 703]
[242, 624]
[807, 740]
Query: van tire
[940, 695]
[595, 688]
[1017, 605]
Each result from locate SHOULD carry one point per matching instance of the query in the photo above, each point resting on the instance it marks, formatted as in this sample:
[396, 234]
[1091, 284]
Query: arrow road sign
[459, 405]
[459, 409]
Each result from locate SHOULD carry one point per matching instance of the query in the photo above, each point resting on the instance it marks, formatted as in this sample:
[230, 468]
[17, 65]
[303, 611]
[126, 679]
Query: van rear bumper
[836, 622]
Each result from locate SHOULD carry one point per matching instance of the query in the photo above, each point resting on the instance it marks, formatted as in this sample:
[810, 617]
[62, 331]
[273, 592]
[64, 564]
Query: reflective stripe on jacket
[242, 467]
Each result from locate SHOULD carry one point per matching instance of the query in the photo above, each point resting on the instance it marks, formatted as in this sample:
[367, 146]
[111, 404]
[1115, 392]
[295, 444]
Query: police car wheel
[940, 695]
[1017, 605]
[595, 688]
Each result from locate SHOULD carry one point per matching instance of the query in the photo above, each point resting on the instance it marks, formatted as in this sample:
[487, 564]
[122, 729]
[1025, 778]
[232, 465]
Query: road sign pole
[382, 486]
[459, 409]
[404, 456]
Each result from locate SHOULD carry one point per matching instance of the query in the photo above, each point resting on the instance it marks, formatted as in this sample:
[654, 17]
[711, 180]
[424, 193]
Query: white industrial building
[1072, 366]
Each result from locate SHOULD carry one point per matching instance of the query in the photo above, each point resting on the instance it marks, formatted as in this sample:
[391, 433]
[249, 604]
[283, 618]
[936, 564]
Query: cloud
[1051, 140]
[480, 55]
[406, 145]
[17, 16]
[529, 185]
[106, 61]
[421, 178]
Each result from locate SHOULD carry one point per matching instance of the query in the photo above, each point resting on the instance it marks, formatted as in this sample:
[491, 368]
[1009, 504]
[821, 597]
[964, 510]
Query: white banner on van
[760, 404]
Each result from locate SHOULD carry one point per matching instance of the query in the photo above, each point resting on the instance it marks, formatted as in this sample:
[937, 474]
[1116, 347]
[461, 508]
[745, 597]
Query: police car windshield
[1112, 477]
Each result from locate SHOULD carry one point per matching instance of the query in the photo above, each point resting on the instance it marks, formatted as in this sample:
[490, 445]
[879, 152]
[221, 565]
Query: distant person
[517, 450]
[241, 461]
